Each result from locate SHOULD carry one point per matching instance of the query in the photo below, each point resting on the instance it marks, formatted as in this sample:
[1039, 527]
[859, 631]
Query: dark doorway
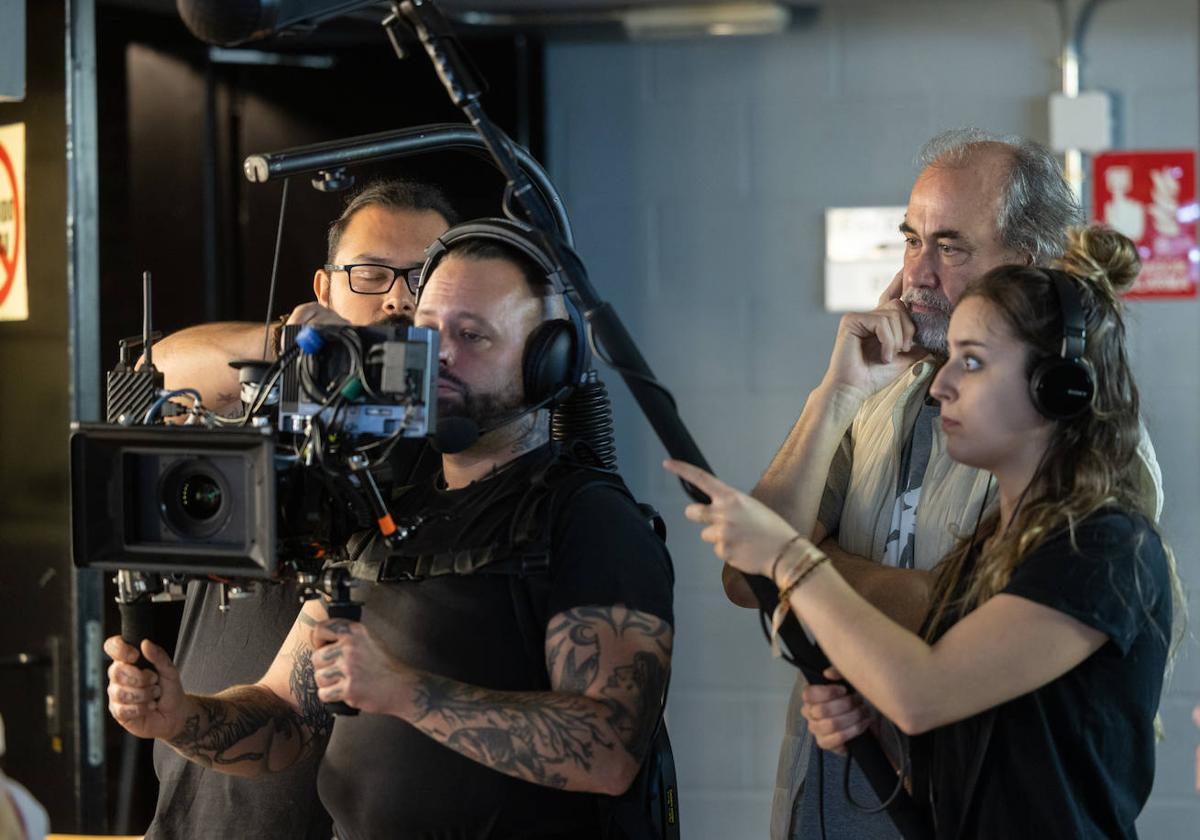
[178, 118]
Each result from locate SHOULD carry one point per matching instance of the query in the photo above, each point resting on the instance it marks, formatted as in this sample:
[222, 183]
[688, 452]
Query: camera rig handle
[137, 623]
[134, 602]
[341, 606]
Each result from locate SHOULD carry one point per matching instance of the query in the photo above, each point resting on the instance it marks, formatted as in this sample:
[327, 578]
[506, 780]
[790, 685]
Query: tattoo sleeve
[608, 668]
[249, 730]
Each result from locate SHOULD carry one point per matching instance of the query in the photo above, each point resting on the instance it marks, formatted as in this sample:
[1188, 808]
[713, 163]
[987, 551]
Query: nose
[399, 301]
[944, 388]
[920, 267]
[445, 349]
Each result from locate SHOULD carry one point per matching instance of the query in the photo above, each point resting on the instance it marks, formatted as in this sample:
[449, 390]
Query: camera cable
[275, 270]
[156, 406]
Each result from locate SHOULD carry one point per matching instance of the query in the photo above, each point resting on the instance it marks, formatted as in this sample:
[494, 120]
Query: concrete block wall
[697, 173]
[12, 50]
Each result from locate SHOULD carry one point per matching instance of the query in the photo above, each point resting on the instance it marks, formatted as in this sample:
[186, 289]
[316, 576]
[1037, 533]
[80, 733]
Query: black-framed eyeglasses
[376, 279]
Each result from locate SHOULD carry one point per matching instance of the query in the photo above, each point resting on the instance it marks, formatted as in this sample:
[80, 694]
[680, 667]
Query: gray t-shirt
[216, 650]
[840, 817]
[899, 549]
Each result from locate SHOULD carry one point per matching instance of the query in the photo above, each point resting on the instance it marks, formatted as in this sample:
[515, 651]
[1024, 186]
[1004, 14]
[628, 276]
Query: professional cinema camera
[261, 497]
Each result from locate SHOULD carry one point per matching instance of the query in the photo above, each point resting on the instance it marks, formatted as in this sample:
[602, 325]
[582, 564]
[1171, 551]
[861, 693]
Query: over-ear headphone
[1063, 386]
[557, 353]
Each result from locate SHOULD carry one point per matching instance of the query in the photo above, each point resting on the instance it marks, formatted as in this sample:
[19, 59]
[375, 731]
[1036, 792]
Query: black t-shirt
[381, 777]
[216, 650]
[1074, 758]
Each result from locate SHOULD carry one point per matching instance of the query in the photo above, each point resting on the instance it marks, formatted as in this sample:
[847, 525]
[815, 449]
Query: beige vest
[951, 493]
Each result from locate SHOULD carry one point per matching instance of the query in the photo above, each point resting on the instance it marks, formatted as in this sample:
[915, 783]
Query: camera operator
[514, 649]
[388, 223]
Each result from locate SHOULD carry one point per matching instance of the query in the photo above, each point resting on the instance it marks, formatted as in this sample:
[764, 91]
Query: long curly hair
[1091, 460]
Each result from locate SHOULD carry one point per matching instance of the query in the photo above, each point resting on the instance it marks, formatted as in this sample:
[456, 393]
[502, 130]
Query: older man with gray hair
[892, 503]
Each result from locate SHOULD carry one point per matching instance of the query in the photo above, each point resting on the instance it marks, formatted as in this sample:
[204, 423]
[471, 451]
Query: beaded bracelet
[779, 556]
[785, 592]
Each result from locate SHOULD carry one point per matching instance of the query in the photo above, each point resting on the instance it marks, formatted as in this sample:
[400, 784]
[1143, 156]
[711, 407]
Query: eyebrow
[969, 342]
[378, 260]
[944, 233]
[460, 316]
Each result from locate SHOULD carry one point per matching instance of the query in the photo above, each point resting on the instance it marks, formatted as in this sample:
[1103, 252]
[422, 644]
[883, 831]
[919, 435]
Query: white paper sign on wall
[863, 252]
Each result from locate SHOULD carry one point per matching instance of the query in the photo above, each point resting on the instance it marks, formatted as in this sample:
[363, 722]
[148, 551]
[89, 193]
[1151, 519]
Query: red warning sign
[1151, 198]
[10, 224]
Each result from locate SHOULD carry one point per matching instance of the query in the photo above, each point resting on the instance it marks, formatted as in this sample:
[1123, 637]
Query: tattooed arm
[608, 669]
[246, 730]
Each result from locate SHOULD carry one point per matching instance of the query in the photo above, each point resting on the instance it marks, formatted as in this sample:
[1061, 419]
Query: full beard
[484, 409]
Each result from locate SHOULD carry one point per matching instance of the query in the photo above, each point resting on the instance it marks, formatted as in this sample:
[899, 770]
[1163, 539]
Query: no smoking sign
[14, 298]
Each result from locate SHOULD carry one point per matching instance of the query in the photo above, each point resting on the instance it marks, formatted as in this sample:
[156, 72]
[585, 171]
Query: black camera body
[268, 496]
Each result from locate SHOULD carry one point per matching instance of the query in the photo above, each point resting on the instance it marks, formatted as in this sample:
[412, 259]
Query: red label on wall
[1151, 198]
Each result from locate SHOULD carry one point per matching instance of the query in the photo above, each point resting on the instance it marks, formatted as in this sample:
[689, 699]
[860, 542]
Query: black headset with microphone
[557, 353]
[1062, 387]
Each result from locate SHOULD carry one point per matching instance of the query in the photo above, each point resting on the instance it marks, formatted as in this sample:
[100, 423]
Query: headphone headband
[517, 235]
[1074, 324]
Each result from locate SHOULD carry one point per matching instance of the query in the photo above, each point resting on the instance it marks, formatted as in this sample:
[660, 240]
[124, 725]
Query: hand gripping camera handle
[351, 612]
[137, 623]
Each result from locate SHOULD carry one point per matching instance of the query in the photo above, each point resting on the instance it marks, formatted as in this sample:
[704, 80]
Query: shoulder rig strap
[397, 567]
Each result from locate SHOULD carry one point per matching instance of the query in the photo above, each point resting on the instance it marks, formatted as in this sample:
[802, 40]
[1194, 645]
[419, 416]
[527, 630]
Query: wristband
[779, 556]
[785, 592]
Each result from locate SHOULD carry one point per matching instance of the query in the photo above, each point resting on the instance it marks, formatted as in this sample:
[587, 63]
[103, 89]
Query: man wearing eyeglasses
[376, 249]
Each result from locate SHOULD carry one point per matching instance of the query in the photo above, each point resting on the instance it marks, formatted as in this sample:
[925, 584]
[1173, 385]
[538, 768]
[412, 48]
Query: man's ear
[321, 287]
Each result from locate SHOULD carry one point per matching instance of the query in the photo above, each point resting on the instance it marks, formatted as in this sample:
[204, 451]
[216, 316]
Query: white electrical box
[1082, 122]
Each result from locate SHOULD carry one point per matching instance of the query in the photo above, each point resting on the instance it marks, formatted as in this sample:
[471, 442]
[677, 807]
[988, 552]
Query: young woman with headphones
[1035, 680]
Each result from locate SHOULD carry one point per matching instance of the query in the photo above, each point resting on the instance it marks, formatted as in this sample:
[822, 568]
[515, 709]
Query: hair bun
[1101, 255]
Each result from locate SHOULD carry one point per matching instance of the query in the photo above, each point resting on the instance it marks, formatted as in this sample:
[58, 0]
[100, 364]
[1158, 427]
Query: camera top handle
[405, 142]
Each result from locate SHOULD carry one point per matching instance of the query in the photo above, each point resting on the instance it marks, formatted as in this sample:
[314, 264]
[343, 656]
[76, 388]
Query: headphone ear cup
[1062, 388]
[549, 360]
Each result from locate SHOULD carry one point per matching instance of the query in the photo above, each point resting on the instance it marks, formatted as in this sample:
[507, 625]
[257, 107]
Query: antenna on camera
[147, 334]
[131, 390]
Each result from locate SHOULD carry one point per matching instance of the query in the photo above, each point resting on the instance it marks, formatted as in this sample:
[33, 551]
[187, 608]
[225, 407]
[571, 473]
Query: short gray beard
[932, 327]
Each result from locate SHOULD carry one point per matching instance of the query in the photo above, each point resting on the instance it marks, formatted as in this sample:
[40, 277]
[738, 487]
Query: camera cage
[252, 499]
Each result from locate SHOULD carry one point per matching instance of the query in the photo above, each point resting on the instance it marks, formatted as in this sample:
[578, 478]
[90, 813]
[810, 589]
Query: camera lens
[200, 496]
[194, 498]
